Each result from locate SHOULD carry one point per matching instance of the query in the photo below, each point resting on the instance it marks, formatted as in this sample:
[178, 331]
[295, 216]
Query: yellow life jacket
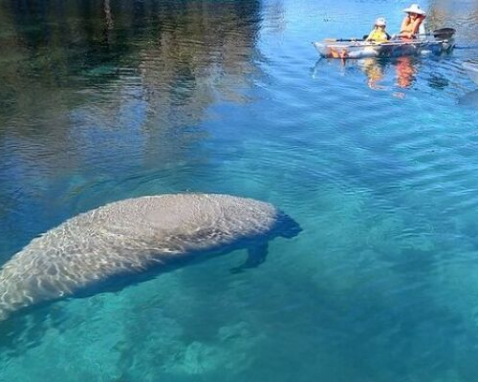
[378, 35]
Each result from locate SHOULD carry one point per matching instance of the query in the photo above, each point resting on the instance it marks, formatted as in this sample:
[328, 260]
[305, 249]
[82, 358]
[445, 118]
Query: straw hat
[415, 8]
[380, 22]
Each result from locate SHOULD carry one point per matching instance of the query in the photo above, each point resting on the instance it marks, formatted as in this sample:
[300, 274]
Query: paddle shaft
[466, 47]
[445, 31]
[342, 39]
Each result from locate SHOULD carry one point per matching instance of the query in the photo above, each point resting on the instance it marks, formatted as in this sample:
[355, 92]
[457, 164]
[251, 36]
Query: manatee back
[128, 236]
[185, 214]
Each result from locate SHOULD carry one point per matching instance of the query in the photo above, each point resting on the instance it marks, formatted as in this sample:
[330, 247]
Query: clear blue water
[376, 161]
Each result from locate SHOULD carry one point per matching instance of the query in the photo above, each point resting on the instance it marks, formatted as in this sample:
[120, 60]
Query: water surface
[105, 100]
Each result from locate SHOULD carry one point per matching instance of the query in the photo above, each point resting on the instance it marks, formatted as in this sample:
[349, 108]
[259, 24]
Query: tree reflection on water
[85, 81]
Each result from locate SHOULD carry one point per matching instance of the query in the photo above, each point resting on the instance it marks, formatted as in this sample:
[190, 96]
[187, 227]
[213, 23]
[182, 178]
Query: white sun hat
[380, 22]
[415, 8]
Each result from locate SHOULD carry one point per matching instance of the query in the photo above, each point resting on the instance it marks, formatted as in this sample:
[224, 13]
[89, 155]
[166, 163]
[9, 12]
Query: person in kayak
[413, 23]
[378, 34]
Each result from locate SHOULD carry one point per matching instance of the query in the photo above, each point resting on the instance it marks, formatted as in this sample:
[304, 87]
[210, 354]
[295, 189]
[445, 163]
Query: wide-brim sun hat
[415, 8]
[381, 22]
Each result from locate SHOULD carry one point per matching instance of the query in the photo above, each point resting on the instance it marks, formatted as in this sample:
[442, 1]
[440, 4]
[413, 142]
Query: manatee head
[286, 226]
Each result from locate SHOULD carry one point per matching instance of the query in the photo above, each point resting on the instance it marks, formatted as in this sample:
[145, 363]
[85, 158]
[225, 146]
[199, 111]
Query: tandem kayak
[472, 70]
[364, 49]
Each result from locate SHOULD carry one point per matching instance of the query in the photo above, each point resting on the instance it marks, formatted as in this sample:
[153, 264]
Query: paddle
[467, 47]
[441, 34]
[342, 39]
[444, 33]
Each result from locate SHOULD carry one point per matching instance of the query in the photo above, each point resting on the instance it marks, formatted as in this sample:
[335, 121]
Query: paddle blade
[444, 33]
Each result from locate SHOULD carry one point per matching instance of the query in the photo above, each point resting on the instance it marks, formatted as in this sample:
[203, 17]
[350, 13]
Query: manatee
[101, 248]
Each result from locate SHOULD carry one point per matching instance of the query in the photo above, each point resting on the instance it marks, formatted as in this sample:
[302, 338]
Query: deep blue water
[376, 161]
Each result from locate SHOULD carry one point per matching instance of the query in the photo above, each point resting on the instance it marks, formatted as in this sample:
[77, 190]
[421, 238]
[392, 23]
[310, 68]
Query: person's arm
[404, 26]
[411, 30]
[406, 30]
[416, 25]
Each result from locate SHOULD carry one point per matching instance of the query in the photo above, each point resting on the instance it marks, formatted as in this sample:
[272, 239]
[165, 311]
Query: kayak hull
[472, 71]
[361, 49]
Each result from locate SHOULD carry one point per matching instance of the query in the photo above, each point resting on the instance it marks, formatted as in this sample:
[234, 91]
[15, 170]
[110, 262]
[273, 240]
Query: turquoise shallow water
[375, 160]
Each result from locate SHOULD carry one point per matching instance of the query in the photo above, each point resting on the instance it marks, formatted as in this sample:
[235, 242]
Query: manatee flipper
[256, 255]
